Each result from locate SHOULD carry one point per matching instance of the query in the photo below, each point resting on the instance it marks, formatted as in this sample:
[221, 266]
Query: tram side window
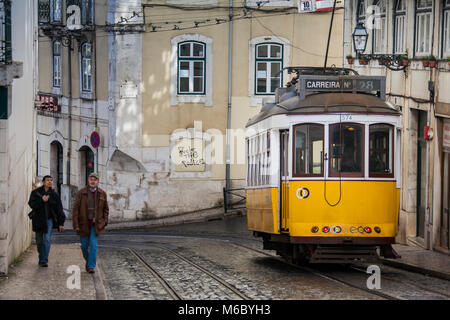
[308, 150]
[380, 150]
[346, 149]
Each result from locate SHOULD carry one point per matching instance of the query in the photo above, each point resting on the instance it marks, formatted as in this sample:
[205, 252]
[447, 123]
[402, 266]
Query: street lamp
[360, 36]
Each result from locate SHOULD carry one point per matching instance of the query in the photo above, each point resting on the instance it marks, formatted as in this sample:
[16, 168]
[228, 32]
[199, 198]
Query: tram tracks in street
[345, 278]
[172, 292]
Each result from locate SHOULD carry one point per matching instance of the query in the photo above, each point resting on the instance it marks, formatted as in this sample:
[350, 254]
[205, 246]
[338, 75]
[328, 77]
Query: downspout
[94, 44]
[230, 60]
[69, 152]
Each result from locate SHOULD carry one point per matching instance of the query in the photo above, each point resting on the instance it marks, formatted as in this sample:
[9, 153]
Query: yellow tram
[323, 168]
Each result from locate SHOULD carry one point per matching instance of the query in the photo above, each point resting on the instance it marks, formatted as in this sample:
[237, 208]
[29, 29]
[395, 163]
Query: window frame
[396, 14]
[85, 10]
[422, 12]
[268, 61]
[359, 174]
[57, 65]
[445, 24]
[191, 59]
[53, 11]
[383, 31]
[392, 150]
[84, 58]
[296, 175]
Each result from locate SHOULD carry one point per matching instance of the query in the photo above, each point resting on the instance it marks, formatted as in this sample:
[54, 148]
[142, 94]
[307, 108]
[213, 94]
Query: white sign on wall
[446, 135]
[305, 6]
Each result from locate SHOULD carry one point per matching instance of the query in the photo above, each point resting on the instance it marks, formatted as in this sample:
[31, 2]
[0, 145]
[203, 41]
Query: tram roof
[328, 103]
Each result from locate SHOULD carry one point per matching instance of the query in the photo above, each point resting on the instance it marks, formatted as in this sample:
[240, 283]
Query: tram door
[284, 180]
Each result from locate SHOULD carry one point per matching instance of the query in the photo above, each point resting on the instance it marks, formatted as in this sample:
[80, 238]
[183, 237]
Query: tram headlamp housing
[377, 229]
[314, 229]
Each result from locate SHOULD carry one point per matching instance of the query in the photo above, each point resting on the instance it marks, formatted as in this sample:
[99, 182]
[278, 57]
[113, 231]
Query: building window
[87, 12]
[191, 64]
[57, 64]
[446, 30]
[56, 11]
[361, 8]
[400, 27]
[424, 26]
[379, 27]
[269, 63]
[5, 32]
[43, 11]
[191, 67]
[86, 67]
[381, 139]
[347, 150]
[308, 150]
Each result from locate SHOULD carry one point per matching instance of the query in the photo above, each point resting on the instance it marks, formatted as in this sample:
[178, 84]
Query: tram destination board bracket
[317, 83]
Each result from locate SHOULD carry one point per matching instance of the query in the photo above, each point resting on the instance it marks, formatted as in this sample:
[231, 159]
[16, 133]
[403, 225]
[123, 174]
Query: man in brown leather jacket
[90, 217]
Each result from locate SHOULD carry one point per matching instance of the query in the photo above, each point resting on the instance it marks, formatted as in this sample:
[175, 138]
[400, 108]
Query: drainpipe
[230, 60]
[94, 44]
[69, 152]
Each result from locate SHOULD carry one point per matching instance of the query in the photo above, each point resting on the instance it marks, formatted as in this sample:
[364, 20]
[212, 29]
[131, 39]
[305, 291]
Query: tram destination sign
[342, 84]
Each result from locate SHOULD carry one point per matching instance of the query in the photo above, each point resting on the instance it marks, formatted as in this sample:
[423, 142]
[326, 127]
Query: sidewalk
[419, 260]
[27, 281]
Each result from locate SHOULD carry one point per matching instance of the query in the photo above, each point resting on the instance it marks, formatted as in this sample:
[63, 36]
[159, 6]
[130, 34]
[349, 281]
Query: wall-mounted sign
[305, 6]
[128, 90]
[95, 139]
[446, 135]
[47, 102]
[324, 5]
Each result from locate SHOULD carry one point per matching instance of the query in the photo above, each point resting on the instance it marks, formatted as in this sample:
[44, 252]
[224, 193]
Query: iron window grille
[86, 67]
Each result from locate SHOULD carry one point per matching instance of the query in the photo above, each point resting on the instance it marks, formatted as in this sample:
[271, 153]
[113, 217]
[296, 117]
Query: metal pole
[329, 34]
[230, 61]
[69, 152]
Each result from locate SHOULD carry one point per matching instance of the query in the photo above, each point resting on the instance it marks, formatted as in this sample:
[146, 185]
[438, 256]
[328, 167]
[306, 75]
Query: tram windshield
[308, 150]
[346, 149]
[380, 150]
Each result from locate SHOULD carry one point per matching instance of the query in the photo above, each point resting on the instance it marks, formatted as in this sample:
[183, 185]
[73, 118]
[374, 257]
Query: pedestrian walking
[47, 214]
[90, 217]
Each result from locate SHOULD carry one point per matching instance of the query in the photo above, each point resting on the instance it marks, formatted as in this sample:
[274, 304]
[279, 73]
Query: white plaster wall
[18, 136]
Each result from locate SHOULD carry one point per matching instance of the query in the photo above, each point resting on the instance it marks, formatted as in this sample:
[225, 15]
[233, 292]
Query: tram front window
[346, 149]
[308, 151]
[380, 154]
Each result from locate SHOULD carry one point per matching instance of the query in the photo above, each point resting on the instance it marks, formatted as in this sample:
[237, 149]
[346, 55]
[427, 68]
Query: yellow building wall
[160, 118]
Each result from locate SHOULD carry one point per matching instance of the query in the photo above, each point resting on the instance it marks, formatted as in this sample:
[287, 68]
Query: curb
[416, 269]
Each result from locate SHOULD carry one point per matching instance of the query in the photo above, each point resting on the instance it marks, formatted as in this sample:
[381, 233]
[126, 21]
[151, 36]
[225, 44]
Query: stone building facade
[18, 53]
[414, 30]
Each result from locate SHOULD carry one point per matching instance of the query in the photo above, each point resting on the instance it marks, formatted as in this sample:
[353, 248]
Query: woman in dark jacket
[47, 214]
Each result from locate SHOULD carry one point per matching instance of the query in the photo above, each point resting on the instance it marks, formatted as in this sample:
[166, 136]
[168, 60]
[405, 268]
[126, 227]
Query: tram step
[344, 254]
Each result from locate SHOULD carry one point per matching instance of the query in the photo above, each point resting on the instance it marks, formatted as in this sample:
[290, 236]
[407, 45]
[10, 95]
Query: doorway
[87, 164]
[284, 180]
[445, 216]
[56, 165]
[421, 174]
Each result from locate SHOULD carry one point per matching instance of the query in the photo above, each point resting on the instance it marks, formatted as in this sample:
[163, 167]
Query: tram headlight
[325, 229]
[377, 229]
[314, 229]
[368, 230]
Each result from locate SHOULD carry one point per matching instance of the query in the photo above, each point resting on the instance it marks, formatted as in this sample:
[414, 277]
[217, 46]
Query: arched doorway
[87, 164]
[56, 165]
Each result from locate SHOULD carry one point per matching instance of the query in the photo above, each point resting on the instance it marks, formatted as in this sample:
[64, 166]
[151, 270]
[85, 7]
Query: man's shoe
[44, 265]
[90, 270]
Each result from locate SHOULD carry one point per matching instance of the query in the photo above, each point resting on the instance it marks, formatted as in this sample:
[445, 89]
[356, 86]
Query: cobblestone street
[216, 260]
